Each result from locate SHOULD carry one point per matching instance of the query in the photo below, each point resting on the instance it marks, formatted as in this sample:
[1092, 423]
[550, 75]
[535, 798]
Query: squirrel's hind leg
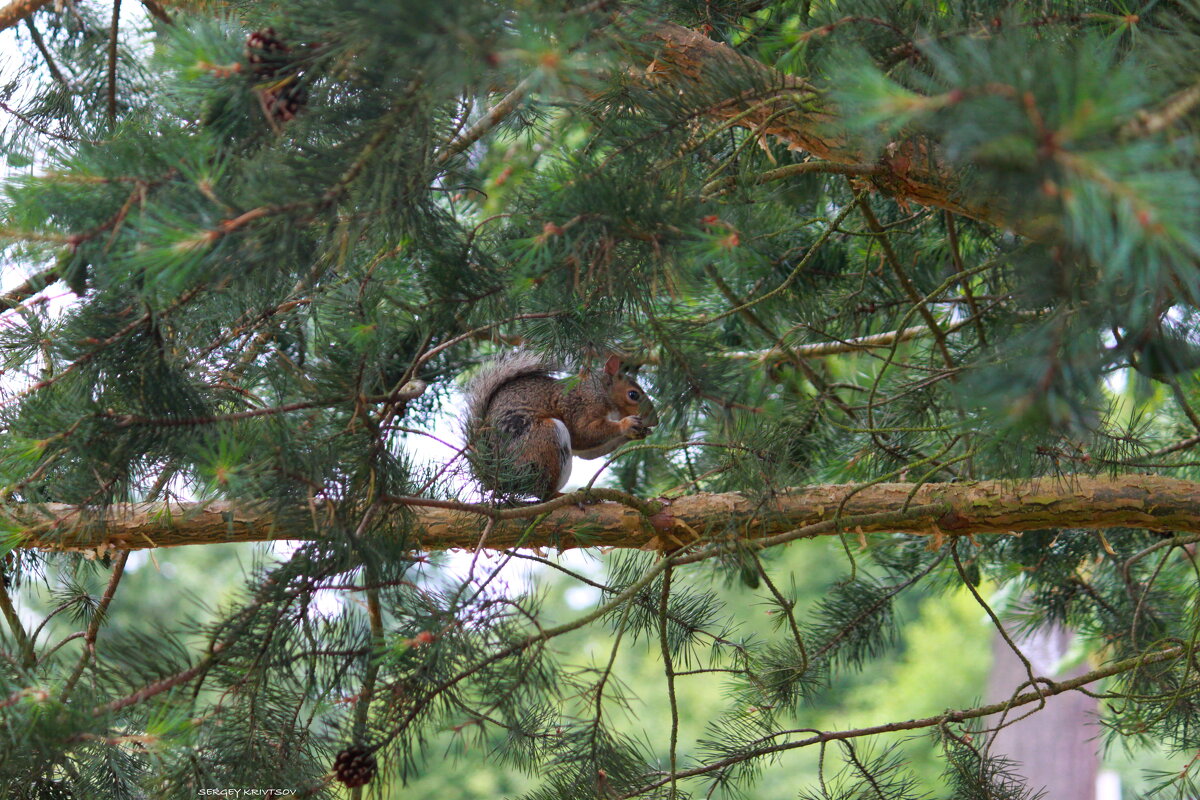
[564, 454]
[547, 448]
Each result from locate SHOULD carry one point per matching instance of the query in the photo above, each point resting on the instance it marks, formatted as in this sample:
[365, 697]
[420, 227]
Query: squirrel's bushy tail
[498, 372]
[498, 437]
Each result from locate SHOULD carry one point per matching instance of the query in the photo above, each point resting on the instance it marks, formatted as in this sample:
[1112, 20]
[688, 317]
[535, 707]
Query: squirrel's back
[519, 447]
[503, 370]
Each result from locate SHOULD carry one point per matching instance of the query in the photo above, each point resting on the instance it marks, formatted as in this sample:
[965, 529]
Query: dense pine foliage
[253, 249]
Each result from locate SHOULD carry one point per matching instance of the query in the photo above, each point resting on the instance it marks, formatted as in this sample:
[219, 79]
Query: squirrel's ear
[613, 365]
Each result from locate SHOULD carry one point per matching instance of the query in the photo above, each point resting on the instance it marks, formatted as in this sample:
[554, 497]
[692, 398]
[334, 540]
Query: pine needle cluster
[258, 248]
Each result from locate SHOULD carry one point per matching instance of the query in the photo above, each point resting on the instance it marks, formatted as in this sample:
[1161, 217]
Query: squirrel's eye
[634, 396]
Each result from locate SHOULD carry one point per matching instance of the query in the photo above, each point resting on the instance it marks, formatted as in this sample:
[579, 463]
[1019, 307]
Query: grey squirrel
[522, 427]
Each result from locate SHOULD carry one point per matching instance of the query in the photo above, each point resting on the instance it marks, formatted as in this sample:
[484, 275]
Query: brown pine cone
[284, 102]
[265, 52]
[354, 766]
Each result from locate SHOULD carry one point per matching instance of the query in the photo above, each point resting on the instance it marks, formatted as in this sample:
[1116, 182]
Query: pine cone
[284, 102]
[354, 766]
[266, 53]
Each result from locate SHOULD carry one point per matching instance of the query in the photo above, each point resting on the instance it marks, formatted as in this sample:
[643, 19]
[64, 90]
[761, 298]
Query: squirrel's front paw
[633, 427]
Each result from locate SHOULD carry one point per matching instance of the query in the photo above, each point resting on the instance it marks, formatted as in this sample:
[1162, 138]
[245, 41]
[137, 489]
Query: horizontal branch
[819, 349]
[946, 509]
[813, 350]
[790, 171]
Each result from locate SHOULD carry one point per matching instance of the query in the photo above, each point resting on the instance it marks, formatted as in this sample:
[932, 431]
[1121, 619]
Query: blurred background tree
[253, 249]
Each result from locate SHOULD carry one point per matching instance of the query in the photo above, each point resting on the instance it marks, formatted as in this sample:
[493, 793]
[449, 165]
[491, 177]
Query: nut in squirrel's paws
[633, 427]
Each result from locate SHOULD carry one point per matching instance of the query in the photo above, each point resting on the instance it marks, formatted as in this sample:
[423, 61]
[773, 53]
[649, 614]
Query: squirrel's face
[631, 400]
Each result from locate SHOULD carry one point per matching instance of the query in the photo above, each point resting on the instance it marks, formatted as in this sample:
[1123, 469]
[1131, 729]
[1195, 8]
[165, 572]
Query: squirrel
[522, 427]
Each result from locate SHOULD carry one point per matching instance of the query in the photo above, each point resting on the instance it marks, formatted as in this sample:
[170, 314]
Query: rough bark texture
[18, 10]
[1140, 501]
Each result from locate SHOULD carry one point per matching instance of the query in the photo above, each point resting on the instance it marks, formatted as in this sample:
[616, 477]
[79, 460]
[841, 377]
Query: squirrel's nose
[647, 413]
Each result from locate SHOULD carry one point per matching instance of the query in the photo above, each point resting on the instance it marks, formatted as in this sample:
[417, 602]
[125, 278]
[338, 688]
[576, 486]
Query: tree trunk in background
[1057, 747]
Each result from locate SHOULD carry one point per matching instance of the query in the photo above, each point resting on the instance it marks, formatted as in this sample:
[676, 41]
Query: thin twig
[14, 623]
[800, 265]
[669, 671]
[1181, 398]
[960, 269]
[126, 420]
[905, 282]
[1053, 688]
[112, 62]
[93, 628]
[1178, 105]
[996, 623]
[40, 44]
[488, 121]
[362, 709]
[754, 319]
[722, 185]
[14, 298]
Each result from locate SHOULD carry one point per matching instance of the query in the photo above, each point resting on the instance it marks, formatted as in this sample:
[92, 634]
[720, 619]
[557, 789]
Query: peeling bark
[939, 510]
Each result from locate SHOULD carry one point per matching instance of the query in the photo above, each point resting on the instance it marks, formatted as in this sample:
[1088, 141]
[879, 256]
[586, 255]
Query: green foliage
[854, 242]
[973, 774]
[882, 775]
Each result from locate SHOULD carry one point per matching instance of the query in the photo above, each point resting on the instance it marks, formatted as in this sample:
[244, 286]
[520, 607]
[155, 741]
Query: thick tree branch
[18, 295]
[18, 10]
[948, 509]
